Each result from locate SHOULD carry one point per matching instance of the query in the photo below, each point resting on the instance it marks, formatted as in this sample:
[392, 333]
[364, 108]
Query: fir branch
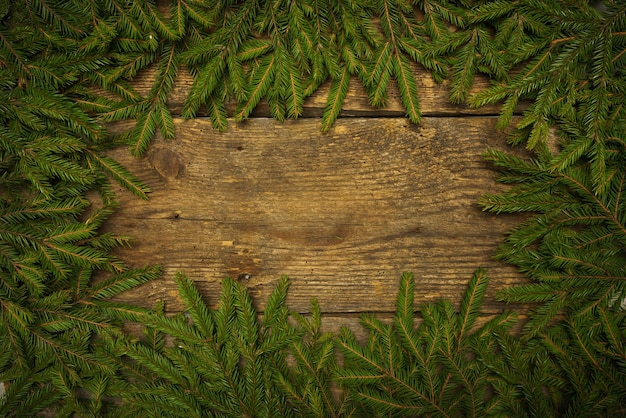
[119, 173]
[123, 282]
[472, 302]
[426, 370]
[224, 362]
[338, 91]
[568, 73]
[203, 86]
[572, 245]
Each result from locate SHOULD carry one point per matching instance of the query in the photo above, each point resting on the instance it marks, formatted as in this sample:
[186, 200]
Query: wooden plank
[342, 214]
[433, 98]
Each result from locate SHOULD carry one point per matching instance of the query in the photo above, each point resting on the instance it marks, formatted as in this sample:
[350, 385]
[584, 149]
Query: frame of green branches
[67, 68]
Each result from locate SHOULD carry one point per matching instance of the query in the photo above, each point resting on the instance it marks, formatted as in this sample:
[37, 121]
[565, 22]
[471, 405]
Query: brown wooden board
[433, 98]
[343, 214]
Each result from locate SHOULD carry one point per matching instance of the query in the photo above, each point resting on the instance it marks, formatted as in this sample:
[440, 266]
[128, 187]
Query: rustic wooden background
[342, 214]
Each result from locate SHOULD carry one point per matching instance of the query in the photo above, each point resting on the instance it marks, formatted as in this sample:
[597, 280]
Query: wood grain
[342, 214]
[433, 98]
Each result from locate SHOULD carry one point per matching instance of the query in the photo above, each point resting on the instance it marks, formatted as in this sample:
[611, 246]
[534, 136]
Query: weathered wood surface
[342, 214]
[433, 98]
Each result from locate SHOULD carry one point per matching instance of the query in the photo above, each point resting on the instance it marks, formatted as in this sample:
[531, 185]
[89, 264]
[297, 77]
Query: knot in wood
[166, 162]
